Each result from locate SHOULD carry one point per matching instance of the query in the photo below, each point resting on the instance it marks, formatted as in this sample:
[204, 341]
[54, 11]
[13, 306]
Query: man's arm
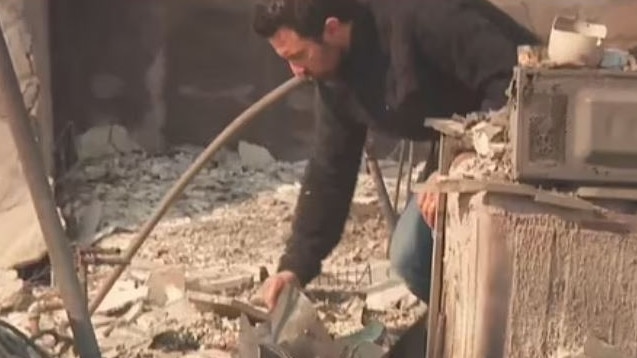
[462, 39]
[327, 189]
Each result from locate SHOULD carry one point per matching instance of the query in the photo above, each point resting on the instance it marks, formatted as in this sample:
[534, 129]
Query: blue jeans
[411, 250]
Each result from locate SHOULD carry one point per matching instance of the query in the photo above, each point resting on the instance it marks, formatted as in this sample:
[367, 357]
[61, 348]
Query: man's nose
[298, 71]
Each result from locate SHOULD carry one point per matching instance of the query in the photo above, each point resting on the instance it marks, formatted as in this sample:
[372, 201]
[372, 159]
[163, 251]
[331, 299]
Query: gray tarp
[21, 240]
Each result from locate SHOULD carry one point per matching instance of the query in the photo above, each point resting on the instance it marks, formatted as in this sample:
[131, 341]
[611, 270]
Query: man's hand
[273, 286]
[428, 204]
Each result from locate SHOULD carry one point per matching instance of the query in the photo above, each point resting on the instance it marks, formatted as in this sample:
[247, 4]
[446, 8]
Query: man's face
[306, 57]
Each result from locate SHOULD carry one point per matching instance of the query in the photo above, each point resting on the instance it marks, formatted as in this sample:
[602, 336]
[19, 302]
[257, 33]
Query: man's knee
[402, 260]
[411, 250]
[409, 242]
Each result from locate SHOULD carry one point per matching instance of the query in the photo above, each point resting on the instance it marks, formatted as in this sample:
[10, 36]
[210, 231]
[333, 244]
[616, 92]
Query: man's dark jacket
[409, 59]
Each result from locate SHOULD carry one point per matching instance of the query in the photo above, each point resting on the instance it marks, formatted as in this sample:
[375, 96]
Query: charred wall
[175, 72]
[171, 72]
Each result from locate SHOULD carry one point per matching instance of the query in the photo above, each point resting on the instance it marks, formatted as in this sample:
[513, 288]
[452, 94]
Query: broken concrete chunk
[488, 129]
[531, 56]
[121, 297]
[482, 145]
[449, 127]
[220, 305]
[12, 290]
[356, 309]
[181, 311]
[105, 140]
[166, 285]
[386, 295]
[199, 282]
[254, 156]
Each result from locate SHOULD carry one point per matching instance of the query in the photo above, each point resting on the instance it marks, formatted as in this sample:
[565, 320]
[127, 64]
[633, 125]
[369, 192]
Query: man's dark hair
[306, 17]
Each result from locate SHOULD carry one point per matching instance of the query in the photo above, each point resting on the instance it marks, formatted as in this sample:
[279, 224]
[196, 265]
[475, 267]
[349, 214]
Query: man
[382, 65]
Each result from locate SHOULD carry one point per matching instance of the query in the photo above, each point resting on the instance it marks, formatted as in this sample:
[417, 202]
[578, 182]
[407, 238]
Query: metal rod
[399, 178]
[410, 171]
[57, 243]
[176, 190]
[383, 197]
[447, 151]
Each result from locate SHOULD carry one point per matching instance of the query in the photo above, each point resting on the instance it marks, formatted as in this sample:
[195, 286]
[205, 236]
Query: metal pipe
[57, 243]
[399, 178]
[410, 171]
[168, 199]
[383, 196]
[447, 151]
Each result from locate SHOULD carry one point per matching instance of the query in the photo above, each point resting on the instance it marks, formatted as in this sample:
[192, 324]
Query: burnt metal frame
[549, 97]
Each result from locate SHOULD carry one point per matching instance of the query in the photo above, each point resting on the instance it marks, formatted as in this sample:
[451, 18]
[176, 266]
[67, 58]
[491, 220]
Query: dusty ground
[228, 227]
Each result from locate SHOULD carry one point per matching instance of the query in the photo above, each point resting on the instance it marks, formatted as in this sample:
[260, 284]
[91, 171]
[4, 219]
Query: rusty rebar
[410, 172]
[399, 177]
[57, 243]
[381, 190]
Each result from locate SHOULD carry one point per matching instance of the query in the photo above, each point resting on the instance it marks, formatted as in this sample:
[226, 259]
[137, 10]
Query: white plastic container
[576, 42]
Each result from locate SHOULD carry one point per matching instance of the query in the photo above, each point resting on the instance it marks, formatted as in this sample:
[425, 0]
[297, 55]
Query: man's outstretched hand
[428, 204]
[273, 286]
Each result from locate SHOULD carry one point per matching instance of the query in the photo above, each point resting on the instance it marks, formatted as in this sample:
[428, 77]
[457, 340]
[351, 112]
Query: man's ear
[330, 30]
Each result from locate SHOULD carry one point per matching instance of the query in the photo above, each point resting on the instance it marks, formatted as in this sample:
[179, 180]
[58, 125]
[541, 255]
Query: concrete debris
[209, 284]
[484, 133]
[532, 56]
[221, 305]
[12, 290]
[187, 287]
[104, 140]
[387, 295]
[123, 295]
[166, 286]
[254, 156]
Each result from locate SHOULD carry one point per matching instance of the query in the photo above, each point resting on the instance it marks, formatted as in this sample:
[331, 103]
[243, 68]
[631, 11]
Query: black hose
[169, 198]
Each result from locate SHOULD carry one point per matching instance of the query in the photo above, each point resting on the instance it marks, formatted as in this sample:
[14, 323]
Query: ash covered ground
[211, 250]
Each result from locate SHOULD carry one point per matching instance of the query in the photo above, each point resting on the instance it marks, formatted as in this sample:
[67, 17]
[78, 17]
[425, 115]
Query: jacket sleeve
[462, 38]
[327, 188]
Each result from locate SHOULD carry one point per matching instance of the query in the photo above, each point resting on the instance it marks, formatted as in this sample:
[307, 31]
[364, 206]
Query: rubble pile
[201, 268]
[485, 134]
